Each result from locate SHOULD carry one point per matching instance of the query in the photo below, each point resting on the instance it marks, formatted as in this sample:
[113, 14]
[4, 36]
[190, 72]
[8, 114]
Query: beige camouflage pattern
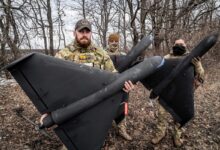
[162, 126]
[162, 123]
[199, 73]
[113, 50]
[162, 120]
[177, 135]
[122, 125]
[117, 52]
[112, 53]
[91, 56]
[122, 130]
[199, 70]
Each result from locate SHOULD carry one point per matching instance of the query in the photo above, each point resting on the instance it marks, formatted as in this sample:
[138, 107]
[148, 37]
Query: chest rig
[91, 59]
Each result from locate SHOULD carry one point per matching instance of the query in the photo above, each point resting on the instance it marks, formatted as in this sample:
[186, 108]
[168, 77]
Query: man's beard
[83, 42]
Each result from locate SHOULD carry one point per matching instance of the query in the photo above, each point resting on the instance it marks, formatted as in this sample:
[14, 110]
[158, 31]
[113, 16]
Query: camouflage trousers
[162, 124]
[122, 129]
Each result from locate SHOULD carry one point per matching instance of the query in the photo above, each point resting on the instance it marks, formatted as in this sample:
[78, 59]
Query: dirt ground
[203, 132]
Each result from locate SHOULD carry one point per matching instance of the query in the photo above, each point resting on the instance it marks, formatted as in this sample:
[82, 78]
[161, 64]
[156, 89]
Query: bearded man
[83, 51]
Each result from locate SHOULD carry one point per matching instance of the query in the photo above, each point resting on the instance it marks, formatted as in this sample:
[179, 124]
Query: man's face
[179, 47]
[83, 37]
[180, 42]
[113, 45]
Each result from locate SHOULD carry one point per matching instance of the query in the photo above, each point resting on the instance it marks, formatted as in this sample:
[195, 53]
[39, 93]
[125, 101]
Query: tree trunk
[50, 21]
[133, 24]
[42, 25]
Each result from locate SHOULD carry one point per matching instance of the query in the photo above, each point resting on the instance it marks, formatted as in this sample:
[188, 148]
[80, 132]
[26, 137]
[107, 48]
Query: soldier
[83, 51]
[179, 50]
[113, 45]
[113, 49]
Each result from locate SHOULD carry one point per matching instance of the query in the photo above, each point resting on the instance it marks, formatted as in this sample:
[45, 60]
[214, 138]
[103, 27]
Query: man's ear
[74, 33]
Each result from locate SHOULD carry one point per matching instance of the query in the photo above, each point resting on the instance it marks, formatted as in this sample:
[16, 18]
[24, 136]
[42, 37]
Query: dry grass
[203, 132]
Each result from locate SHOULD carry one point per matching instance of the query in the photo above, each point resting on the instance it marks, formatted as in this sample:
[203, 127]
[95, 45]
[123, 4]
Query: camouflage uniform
[114, 40]
[117, 52]
[122, 125]
[91, 56]
[162, 123]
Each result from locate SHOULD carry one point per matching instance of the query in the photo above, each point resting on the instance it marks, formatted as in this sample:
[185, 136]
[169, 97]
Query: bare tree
[24, 20]
[50, 26]
[133, 15]
[40, 22]
[3, 38]
[10, 22]
[123, 5]
[83, 8]
[143, 15]
[101, 16]
[61, 34]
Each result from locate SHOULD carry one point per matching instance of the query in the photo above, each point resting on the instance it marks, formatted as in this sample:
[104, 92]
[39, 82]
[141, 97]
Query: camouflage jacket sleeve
[63, 53]
[108, 64]
[199, 72]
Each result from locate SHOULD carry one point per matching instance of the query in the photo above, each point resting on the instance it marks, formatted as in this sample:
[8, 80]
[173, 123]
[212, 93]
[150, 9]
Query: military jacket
[90, 56]
[117, 52]
[199, 71]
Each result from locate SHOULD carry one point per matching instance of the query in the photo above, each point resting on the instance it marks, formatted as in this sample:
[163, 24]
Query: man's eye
[84, 31]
